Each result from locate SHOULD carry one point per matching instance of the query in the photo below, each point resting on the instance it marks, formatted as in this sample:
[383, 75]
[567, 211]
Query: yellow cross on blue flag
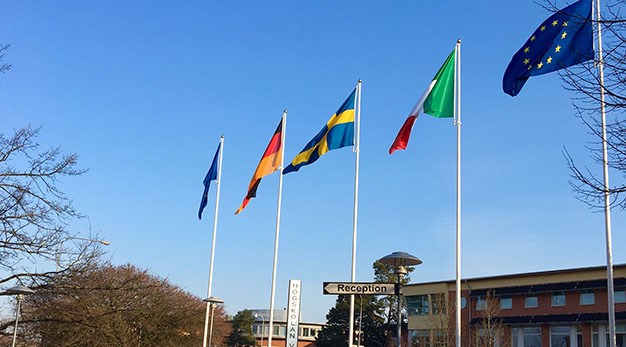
[562, 40]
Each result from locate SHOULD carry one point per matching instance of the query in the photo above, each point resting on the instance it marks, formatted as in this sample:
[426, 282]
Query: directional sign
[334, 288]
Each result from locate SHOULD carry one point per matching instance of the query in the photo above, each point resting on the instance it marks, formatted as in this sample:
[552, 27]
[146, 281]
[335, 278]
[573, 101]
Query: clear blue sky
[142, 91]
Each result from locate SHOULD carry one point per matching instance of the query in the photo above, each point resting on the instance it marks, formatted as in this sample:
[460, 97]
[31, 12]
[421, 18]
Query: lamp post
[400, 260]
[19, 291]
[256, 315]
[212, 302]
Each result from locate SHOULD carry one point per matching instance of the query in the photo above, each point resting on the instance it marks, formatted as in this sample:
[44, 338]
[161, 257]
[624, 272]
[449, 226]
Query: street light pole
[256, 315]
[19, 291]
[212, 302]
[400, 260]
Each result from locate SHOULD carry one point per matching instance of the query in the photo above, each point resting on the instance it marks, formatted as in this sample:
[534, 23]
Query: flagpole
[457, 96]
[357, 139]
[277, 234]
[607, 202]
[217, 204]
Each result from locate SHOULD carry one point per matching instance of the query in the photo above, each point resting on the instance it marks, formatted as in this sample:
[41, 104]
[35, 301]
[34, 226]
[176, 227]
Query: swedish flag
[337, 133]
[562, 40]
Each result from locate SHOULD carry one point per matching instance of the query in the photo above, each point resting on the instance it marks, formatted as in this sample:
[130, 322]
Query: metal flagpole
[217, 204]
[357, 139]
[280, 194]
[607, 202]
[457, 96]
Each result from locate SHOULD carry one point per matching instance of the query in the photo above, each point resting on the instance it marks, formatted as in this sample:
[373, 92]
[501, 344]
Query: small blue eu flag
[210, 176]
[562, 40]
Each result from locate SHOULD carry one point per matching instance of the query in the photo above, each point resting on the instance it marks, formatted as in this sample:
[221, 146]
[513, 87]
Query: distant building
[260, 328]
[562, 308]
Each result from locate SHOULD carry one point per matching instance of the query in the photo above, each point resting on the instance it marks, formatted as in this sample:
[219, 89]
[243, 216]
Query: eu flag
[562, 40]
[210, 176]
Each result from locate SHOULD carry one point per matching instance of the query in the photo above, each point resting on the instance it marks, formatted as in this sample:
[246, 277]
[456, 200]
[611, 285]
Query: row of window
[418, 305]
[560, 336]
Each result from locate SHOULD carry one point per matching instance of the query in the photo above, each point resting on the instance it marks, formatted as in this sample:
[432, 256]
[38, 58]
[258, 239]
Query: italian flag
[437, 101]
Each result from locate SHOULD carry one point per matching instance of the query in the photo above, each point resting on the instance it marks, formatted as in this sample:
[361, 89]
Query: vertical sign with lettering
[293, 312]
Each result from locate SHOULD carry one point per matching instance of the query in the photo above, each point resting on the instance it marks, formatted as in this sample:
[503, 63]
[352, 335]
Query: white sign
[293, 312]
[335, 288]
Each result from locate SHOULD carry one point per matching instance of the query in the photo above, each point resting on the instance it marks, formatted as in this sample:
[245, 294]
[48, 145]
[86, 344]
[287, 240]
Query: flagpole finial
[221, 137]
[458, 41]
[360, 80]
[285, 110]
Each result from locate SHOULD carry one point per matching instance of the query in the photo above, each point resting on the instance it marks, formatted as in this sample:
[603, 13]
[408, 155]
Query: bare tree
[4, 66]
[117, 306]
[584, 81]
[490, 331]
[35, 212]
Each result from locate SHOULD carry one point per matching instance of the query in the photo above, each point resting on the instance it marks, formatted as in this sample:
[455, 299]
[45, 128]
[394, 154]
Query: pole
[17, 317]
[399, 330]
[213, 305]
[457, 103]
[607, 202]
[357, 139]
[277, 234]
[217, 204]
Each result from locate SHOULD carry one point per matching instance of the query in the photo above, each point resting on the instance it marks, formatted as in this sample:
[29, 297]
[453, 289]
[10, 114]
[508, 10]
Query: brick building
[260, 329]
[562, 308]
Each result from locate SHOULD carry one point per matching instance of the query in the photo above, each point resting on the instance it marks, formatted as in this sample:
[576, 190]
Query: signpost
[360, 288]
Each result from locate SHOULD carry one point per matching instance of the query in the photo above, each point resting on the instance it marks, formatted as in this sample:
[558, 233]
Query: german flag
[270, 162]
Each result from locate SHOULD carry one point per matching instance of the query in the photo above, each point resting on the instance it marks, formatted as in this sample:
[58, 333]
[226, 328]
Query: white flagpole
[276, 237]
[607, 202]
[357, 139]
[457, 96]
[217, 204]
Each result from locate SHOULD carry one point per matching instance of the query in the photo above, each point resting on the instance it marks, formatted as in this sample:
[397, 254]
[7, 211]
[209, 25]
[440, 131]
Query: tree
[35, 212]
[241, 335]
[335, 332]
[490, 332]
[117, 306]
[4, 66]
[584, 81]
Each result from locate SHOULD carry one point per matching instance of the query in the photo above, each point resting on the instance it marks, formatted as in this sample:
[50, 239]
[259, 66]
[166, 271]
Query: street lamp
[19, 291]
[256, 315]
[212, 302]
[399, 260]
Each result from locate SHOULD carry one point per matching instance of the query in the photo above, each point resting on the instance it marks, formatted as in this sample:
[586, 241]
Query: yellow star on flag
[564, 34]
[533, 38]
[526, 61]
[557, 49]
[549, 60]
[527, 49]
[555, 23]
[564, 24]
[543, 27]
[539, 65]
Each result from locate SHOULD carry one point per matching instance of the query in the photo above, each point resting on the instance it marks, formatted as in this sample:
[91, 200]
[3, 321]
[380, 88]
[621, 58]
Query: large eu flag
[562, 40]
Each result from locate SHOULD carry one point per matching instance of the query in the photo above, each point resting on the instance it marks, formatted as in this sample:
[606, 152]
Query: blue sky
[143, 90]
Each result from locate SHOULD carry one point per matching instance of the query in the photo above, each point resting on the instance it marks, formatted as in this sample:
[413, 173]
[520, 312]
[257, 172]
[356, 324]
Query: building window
[531, 301]
[620, 295]
[481, 303]
[506, 303]
[559, 336]
[558, 299]
[620, 335]
[440, 338]
[305, 332]
[417, 305]
[587, 297]
[532, 337]
[420, 338]
[438, 302]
